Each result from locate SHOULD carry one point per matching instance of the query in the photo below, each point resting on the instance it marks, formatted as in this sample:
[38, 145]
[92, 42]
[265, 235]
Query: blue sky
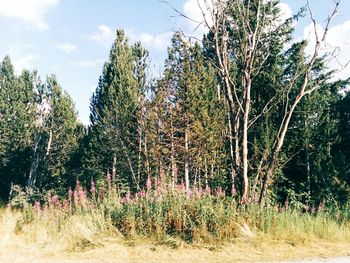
[72, 38]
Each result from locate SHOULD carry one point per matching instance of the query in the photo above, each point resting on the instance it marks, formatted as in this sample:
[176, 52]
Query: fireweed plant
[161, 212]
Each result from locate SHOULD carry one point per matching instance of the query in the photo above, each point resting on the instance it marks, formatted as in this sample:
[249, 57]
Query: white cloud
[104, 36]
[87, 63]
[21, 63]
[157, 42]
[285, 12]
[337, 45]
[198, 11]
[27, 11]
[66, 47]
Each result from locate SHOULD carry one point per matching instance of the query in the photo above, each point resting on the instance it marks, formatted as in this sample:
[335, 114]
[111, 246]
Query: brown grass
[17, 247]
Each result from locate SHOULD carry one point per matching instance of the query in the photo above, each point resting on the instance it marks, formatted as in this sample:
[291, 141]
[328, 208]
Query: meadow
[168, 221]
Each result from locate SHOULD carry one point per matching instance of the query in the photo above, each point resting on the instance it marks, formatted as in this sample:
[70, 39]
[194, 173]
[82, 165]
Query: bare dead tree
[304, 90]
[253, 24]
[247, 52]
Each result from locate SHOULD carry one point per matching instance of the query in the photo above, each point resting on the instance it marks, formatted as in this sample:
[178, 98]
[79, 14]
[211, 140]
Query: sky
[72, 38]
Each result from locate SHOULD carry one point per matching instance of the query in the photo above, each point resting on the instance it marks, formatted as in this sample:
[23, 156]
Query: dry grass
[163, 226]
[89, 238]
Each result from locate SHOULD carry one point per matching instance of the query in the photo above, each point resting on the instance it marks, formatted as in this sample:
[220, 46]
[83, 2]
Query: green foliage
[38, 131]
[112, 137]
[182, 127]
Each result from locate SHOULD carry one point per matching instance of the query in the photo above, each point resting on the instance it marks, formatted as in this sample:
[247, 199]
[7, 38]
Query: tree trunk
[187, 172]
[34, 165]
[245, 142]
[173, 162]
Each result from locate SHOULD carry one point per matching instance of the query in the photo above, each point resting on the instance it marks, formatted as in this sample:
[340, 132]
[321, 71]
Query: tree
[17, 115]
[190, 117]
[56, 137]
[117, 112]
[241, 36]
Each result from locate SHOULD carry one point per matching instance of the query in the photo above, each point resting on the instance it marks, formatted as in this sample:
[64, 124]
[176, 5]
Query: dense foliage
[185, 128]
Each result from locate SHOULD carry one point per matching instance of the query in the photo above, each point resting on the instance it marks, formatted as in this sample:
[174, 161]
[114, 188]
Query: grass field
[166, 226]
[21, 247]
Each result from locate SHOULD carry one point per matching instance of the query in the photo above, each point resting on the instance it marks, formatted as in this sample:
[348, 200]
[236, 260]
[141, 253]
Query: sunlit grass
[85, 219]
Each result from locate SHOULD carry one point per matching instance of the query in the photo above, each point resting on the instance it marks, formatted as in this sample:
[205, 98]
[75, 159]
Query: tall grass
[88, 218]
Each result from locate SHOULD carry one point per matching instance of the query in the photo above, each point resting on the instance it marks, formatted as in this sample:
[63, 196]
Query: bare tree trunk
[308, 170]
[139, 158]
[114, 165]
[49, 143]
[140, 133]
[34, 165]
[232, 154]
[133, 175]
[303, 91]
[187, 172]
[279, 142]
[173, 162]
[148, 168]
[199, 178]
[206, 172]
[245, 143]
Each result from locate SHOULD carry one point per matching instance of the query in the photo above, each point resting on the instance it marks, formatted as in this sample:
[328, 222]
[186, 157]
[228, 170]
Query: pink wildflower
[313, 209]
[307, 208]
[54, 199]
[128, 197]
[156, 182]
[148, 184]
[37, 207]
[233, 190]
[70, 193]
[182, 187]
[321, 207]
[207, 189]
[102, 193]
[190, 193]
[76, 198]
[109, 181]
[286, 204]
[93, 188]
[65, 204]
[142, 194]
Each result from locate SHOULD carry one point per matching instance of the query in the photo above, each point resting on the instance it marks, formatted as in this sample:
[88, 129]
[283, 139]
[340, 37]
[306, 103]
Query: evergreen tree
[115, 105]
[17, 115]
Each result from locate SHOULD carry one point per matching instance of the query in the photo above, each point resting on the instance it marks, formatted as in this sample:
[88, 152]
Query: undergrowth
[168, 216]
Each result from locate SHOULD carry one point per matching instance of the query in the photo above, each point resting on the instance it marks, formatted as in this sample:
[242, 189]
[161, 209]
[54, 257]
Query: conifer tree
[113, 134]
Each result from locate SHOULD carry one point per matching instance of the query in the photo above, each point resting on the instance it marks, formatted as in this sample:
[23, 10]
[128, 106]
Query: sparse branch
[302, 92]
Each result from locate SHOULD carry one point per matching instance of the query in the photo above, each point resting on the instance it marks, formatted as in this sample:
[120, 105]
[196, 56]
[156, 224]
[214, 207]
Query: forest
[244, 110]
[244, 138]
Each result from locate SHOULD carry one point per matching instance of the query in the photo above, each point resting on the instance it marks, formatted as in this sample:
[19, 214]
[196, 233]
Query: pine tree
[115, 113]
[191, 118]
[17, 114]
